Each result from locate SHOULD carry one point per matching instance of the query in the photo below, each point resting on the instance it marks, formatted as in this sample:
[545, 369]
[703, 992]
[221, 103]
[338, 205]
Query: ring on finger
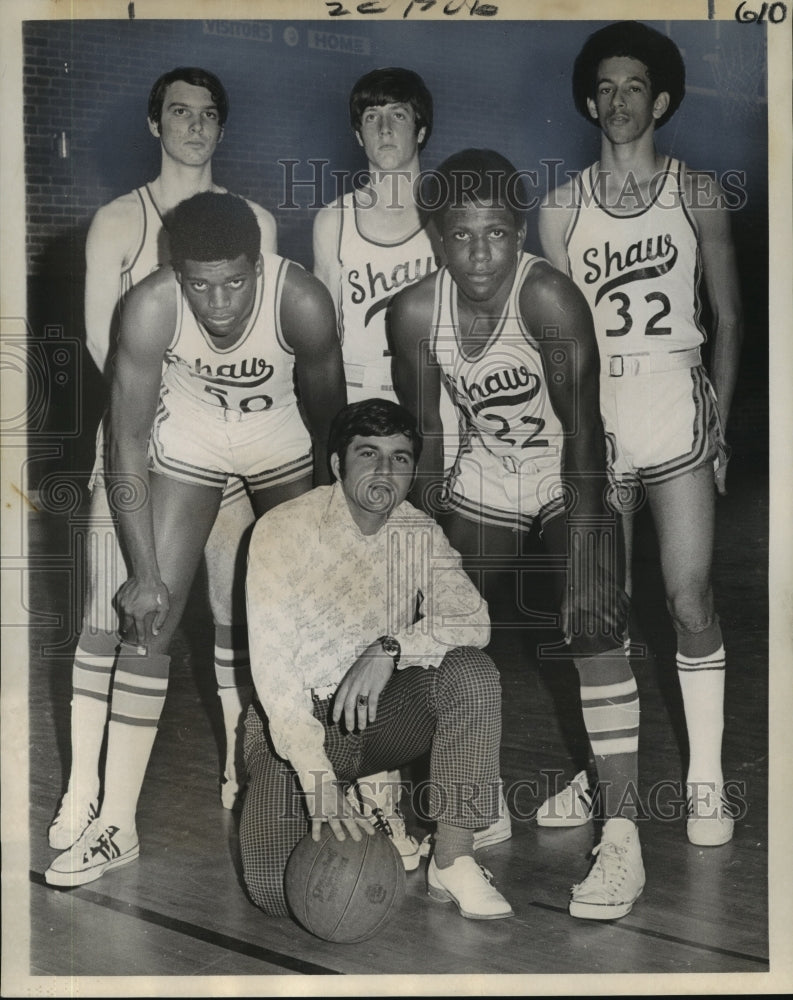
[363, 699]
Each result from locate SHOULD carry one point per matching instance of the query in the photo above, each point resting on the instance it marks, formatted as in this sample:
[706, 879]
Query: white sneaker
[570, 807]
[71, 820]
[97, 851]
[393, 826]
[710, 822]
[469, 886]
[379, 803]
[616, 879]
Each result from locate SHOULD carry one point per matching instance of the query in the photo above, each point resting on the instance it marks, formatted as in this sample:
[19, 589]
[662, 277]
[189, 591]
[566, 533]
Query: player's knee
[595, 644]
[222, 612]
[691, 610]
[700, 642]
[224, 591]
[97, 642]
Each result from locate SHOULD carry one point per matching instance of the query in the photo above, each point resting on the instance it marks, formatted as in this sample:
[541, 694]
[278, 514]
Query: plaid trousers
[453, 711]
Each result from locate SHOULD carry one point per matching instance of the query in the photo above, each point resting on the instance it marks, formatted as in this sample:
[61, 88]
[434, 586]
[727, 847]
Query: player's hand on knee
[358, 694]
[143, 607]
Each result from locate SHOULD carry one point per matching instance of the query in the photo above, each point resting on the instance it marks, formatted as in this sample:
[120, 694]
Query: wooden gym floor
[181, 910]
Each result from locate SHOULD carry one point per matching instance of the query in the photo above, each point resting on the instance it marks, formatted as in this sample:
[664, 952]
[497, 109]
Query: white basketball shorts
[509, 491]
[659, 425]
[205, 445]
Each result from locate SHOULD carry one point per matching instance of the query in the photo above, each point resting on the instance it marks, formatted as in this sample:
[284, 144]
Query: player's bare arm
[560, 320]
[325, 243]
[417, 379]
[308, 321]
[706, 202]
[554, 218]
[268, 228]
[558, 315]
[147, 325]
[112, 236]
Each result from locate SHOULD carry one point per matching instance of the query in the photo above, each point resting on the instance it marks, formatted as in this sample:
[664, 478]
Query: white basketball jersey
[255, 373]
[371, 273]
[501, 392]
[640, 273]
[153, 250]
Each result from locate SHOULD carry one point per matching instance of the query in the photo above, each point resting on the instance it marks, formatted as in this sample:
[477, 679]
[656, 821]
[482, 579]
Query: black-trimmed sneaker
[394, 828]
[72, 819]
[380, 804]
[710, 821]
[570, 807]
[97, 851]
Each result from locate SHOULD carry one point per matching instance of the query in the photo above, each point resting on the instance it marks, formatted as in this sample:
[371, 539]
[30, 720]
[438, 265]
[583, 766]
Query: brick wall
[494, 84]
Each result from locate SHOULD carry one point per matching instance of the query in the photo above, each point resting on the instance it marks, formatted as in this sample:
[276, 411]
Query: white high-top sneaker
[377, 797]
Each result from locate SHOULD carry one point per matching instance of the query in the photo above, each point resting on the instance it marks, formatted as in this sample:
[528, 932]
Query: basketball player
[187, 112]
[349, 682]
[203, 389]
[635, 231]
[368, 244]
[512, 337]
[373, 241]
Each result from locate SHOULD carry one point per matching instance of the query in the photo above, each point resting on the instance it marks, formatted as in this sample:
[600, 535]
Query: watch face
[390, 645]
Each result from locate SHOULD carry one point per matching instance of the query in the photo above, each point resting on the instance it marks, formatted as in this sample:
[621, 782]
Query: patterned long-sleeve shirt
[319, 592]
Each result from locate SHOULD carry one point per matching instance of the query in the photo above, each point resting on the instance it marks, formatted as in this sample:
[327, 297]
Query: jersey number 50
[250, 404]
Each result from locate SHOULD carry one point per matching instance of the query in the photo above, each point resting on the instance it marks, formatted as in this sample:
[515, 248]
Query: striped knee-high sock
[139, 689]
[610, 704]
[701, 670]
[235, 687]
[92, 673]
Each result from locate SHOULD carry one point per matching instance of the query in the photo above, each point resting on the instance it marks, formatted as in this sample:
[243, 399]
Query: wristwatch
[391, 646]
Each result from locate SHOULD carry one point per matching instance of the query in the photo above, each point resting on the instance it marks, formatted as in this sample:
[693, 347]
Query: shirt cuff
[310, 775]
[420, 651]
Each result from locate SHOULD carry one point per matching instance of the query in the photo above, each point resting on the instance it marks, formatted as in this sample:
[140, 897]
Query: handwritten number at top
[451, 7]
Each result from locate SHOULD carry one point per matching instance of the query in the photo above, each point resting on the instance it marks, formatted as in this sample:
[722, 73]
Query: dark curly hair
[660, 55]
[212, 226]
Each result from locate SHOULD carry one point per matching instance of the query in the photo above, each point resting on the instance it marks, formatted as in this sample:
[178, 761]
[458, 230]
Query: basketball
[344, 890]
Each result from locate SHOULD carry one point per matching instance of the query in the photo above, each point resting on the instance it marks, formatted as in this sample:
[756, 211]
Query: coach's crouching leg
[273, 819]
[464, 780]
[464, 762]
